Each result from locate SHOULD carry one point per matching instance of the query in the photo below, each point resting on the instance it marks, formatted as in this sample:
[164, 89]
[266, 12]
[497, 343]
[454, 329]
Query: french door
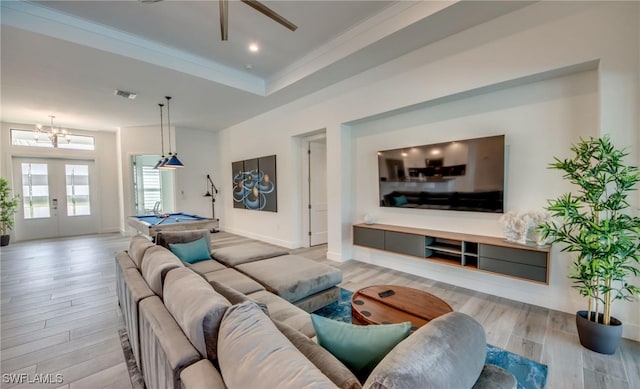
[57, 198]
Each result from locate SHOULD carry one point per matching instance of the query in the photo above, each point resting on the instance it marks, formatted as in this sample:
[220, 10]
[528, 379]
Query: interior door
[318, 192]
[57, 198]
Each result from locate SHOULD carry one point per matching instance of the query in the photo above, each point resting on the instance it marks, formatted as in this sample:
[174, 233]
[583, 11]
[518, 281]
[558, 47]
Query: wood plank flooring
[59, 318]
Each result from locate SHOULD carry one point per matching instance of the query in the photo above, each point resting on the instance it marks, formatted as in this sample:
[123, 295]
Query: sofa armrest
[137, 286]
[165, 350]
[201, 375]
[448, 352]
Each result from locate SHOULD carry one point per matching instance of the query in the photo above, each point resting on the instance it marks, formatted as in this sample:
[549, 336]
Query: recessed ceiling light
[248, 66]
[253, 47]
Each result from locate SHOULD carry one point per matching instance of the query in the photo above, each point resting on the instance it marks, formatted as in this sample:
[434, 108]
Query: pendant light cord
[161, 130]
[169, 122]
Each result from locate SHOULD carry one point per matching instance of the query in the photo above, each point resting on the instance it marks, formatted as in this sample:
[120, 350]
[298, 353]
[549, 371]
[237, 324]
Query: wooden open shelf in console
[475, 252]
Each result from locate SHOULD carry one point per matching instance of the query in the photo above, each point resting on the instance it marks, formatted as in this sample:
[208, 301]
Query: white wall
[104, 155]
[531, 42]
[198, 151]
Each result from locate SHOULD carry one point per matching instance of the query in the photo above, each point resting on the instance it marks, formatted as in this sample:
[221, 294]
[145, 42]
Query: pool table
[151, 224]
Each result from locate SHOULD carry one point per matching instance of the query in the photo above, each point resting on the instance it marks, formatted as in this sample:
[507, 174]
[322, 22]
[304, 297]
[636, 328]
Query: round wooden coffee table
[385, 304]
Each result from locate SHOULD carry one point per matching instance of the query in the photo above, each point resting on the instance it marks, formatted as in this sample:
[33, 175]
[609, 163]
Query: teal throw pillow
[360, 348]
[401, 200]
[191, 252]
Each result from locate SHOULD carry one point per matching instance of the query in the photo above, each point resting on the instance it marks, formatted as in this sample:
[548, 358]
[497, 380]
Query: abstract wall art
[254, 184]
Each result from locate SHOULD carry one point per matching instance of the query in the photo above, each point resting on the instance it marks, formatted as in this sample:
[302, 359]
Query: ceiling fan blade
[263, 9]
[224, 19]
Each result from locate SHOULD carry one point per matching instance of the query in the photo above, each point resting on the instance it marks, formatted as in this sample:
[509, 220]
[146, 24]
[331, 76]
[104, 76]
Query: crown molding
[42, 20]
[391, 20]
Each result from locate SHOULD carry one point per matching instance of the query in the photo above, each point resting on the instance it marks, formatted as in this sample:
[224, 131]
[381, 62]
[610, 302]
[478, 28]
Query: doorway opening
[153, 189]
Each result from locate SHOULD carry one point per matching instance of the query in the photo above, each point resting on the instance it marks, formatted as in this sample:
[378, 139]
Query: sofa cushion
[235, 297]
[244, 253]
[157, 261]
[252, 353]
[196, 307]
[284, 311]
[400, 200]
[448, 352]
[292, 277]
[201, 375]
[360, 348]
[320, 357]
[235, 279]
[137, 247]
[204, 267]
[191, 252]
[163, 238]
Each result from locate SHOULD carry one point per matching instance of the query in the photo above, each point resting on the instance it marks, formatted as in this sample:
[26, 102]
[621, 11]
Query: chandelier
[53, 133]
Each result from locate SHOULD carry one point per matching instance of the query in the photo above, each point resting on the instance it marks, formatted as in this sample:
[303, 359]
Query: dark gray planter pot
[596, 336]
[4, 240]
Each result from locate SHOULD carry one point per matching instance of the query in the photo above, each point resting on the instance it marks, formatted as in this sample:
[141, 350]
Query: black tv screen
[464, 175]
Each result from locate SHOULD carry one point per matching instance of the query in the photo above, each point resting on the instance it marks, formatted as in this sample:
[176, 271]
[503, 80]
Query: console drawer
[535, 273]
[526, 257]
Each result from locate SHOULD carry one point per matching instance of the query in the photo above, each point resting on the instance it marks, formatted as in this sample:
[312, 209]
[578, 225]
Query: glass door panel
[78, 193]
[35, 190]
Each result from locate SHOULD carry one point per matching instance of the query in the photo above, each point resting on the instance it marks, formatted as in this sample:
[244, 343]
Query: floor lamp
[212, 193]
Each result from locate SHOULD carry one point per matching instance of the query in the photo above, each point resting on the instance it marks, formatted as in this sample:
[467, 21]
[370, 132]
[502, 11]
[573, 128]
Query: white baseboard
[631, 331]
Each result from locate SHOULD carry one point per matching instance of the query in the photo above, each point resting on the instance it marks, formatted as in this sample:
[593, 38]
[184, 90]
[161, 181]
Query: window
[35, 190]
[151, 187]
[27, 138]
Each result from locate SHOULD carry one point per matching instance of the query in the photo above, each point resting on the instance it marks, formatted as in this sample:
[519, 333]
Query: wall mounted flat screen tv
[464, 175]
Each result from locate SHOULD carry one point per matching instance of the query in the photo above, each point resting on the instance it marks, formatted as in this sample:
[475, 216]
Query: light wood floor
[59, 315]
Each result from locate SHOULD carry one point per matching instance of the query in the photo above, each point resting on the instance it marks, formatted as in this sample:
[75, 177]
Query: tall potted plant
[596, 224]
[8, 206]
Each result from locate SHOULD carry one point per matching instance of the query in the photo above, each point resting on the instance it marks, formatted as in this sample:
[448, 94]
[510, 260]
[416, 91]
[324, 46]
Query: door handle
[54, 203]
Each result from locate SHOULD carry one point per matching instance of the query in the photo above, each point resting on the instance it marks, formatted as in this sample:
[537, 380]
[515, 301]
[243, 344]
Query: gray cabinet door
[368, 237]
[527, 257]
[402, 243]
[513, 269]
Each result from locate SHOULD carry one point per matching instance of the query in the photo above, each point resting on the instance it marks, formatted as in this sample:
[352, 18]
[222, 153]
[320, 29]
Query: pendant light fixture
[162, 159]
[173, 161]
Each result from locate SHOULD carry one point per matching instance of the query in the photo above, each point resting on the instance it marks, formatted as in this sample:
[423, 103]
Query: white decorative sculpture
[369, 219]
[523, 228]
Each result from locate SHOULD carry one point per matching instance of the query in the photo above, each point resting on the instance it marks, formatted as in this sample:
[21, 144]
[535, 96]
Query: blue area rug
[530, 374]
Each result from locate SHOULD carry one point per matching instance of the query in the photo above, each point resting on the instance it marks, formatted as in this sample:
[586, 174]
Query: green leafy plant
[595, 223]
[8, 206]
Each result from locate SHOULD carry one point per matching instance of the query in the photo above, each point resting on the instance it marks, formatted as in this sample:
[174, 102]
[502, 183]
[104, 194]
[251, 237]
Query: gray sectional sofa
[190, 328]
